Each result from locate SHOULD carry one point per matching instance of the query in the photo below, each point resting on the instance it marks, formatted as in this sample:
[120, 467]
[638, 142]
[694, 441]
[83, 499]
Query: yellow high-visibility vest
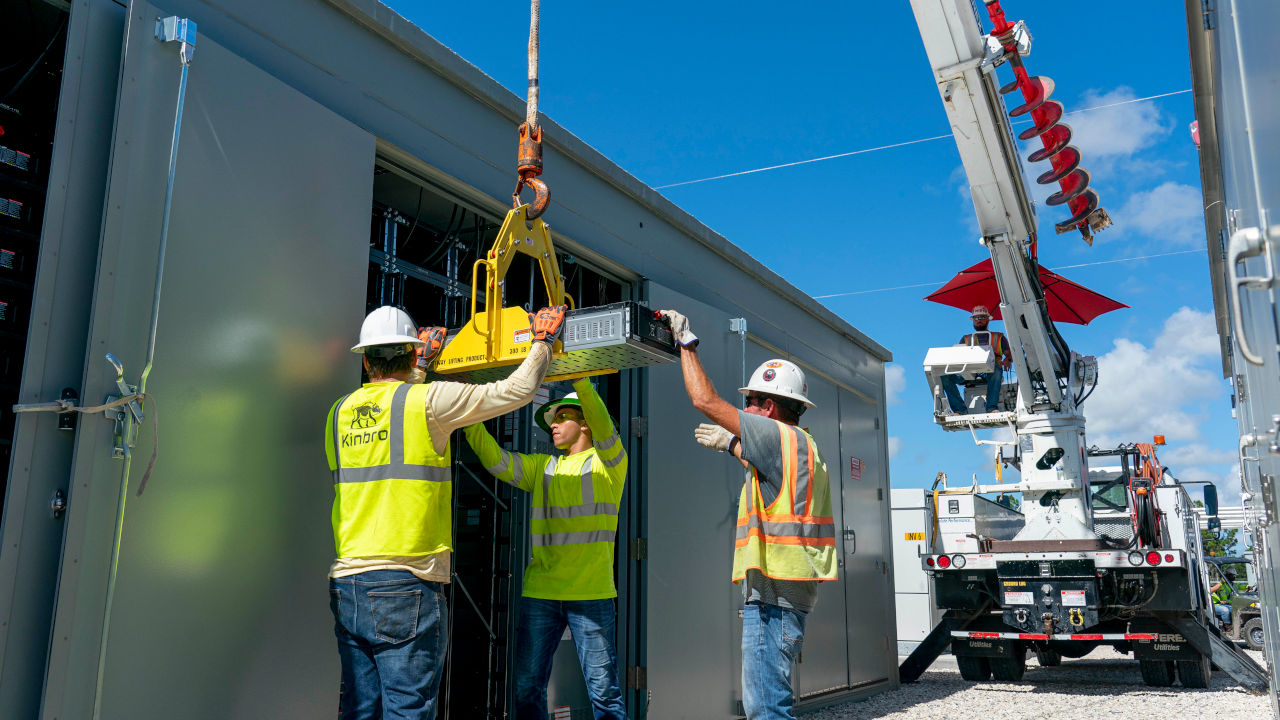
[393, 493]
[794, 538]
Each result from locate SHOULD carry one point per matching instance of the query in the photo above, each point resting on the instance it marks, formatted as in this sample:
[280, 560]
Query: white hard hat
[779, 377]
[388, 325]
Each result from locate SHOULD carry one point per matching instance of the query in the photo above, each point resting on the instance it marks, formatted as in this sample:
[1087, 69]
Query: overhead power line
[894, 145]
[1064, 267]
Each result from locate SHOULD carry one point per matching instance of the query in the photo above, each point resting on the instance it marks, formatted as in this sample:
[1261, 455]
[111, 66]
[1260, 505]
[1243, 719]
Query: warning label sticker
[913, 537]
[1019, 598]
[1073, 598]
[523, 336]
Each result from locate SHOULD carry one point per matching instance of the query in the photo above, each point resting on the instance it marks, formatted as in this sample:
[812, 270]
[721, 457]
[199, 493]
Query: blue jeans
[772, 638]
[392, 633]
[542, 624]
[950, 386]
[1222, 612]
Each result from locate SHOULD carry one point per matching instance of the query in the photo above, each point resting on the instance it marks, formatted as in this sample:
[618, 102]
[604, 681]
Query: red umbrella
[1068, 302]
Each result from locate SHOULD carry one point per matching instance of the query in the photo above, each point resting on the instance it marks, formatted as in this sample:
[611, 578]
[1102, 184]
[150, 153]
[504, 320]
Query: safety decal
[523, 336]
[913, 537]
[856, 466]
[1019, 598]
[1073, 598]
[773, 364]
[769, 375]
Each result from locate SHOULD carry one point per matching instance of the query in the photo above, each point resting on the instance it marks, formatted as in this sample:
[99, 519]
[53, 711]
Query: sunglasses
[564, 416]
[756, 401]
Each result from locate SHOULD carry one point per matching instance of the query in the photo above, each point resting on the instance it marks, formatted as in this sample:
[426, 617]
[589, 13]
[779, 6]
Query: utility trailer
[1115, 562]
[1234, 57]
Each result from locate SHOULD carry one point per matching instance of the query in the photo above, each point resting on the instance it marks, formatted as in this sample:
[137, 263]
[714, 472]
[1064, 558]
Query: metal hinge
[639, 548]
[1268, 484]
[880, 494]
[639, 426]
[637, 677]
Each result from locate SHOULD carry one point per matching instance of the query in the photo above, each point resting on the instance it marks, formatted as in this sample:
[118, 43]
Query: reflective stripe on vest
[794, 537]
[392, 490]
[587, 508]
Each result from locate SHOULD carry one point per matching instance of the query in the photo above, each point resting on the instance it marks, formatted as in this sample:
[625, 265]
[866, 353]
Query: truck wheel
[973, 667]
[1156, 673]
[1048, 658]
[1195, 673]
[1008, 669]
[1252, 632]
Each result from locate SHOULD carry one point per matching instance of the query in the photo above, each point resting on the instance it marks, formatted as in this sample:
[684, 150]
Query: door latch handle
[850, 540]
[1246, 243]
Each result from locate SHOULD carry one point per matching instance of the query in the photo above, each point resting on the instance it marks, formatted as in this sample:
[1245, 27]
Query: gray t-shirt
[762, 447]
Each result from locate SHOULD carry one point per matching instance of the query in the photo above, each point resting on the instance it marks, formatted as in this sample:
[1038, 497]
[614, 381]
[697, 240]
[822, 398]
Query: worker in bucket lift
[569, 581]
[997, 344]
[388, 447]
[784, 541]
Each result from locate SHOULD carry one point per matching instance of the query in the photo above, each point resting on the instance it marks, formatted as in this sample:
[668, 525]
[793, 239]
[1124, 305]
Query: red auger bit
[1064, 158]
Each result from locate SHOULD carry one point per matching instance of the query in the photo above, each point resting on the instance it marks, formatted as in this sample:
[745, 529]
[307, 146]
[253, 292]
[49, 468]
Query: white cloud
[1196, 454]
[1226, 479]
[1162, 389]
[1118, 131]
[895, 444]
[895, 381]
[1171, 212]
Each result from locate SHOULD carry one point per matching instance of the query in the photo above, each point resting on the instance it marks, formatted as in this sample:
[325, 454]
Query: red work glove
[433, 339]
[548, 323]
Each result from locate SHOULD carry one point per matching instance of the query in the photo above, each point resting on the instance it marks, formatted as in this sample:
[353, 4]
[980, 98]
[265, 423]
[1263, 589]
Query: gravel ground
[1103, 684]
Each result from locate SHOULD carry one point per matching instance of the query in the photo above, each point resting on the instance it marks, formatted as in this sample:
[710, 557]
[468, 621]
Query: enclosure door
[220, 601]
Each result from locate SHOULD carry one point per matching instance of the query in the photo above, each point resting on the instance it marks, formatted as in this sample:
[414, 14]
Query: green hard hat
[547, 412]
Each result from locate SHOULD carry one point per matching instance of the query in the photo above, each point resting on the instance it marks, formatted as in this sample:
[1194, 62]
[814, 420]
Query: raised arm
[696, 383]
[515, 468]
[451, 405]
[604, 436]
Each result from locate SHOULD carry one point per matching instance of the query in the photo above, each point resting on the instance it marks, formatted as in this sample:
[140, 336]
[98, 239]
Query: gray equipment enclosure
[205, 597]
[1233, 68]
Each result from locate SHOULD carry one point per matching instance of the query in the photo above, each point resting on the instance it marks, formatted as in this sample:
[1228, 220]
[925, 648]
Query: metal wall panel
[32, 537]
[220, 605]
[693, 629]
[1247, 118]
[824, 664]
[868, 568]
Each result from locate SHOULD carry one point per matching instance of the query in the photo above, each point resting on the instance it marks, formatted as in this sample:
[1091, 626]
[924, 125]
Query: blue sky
[680, 91]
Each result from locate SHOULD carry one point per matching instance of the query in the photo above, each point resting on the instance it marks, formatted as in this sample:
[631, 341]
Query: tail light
[1153, 558]
[944, 561]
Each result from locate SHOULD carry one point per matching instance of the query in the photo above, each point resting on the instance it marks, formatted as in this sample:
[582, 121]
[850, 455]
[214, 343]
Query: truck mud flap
[935, 643]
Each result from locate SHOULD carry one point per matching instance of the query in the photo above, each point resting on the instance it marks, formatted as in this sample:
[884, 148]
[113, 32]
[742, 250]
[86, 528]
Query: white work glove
[713, 436]
[679, 325]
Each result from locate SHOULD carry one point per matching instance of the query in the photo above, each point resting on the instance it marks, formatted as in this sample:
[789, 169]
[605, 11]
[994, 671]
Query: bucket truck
[1103, 555]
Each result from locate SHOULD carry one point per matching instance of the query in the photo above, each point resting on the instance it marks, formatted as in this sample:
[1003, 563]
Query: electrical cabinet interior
[423, 244]
[31, 57]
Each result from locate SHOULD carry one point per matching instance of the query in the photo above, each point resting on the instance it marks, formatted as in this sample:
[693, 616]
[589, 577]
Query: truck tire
[1195, 673]
[973, 668]
[1156, 673]
[1008, 669]
[1048, 658]
[1252, 632]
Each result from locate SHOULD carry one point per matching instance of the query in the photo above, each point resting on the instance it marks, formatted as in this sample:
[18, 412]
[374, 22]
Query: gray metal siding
[220, 606]
[32, 538]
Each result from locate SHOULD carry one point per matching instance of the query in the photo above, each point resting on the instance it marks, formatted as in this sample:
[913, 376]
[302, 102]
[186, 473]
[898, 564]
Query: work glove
[547, 324]
[679, 325]
[713, 436]
[433, 343]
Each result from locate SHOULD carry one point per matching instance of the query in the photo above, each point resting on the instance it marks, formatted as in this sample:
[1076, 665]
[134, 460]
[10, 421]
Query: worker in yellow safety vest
[784, 539]
[388, 448]
[569, 581]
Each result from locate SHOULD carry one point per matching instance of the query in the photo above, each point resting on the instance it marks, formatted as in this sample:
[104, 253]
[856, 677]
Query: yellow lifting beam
[499, 335]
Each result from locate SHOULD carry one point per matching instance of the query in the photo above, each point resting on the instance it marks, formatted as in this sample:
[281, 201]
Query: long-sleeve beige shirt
[453, 405]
